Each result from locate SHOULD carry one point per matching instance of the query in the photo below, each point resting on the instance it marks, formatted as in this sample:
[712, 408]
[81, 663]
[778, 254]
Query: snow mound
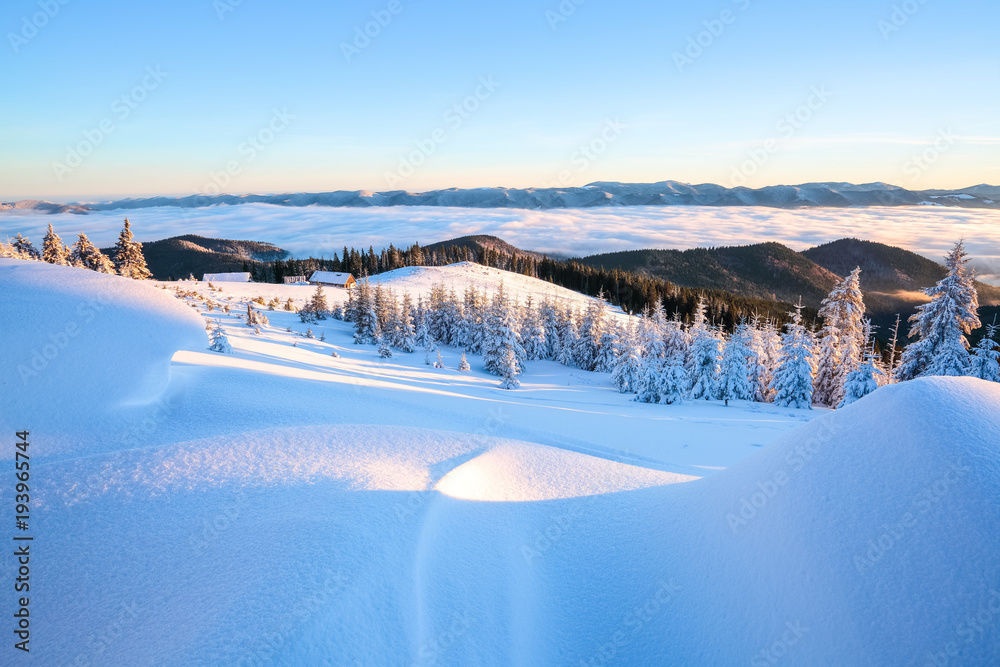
[521, 472]
[877, 521]
[80, 344]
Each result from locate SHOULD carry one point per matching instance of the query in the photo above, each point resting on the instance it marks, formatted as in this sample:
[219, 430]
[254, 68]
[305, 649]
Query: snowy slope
[72, 333]
[288, 507]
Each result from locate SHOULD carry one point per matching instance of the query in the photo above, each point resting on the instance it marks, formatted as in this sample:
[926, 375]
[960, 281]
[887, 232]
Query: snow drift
[78, 344]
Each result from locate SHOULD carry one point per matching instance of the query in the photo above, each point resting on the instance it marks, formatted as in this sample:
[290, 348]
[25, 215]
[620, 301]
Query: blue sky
[114, 98]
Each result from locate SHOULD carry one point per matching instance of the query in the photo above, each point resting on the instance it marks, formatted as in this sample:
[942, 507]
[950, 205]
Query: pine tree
[366, 326]
[501, 336]
[128, 260]
[986, 356]
[703, 363]
[737, 360]
[54, 251]
[24, 248]
[793, 379]
[85, 254]
[842, 339]
[439, 362]
[591, 329]
[625, 374]
[463, 365]
[535, 343]
[940, 326]
[509, 370]
[864, 379]
[647, 384]
[672, 382]
[407, 335]
[219, 340]
[383, 348]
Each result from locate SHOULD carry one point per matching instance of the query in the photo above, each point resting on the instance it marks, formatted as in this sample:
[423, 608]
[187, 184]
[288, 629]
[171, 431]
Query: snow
[279, 505]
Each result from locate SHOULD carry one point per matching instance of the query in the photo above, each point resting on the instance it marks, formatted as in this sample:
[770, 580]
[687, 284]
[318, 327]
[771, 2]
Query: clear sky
[121, 98]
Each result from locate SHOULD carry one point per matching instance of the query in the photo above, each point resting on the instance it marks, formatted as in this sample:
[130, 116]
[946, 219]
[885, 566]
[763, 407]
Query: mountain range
[664, 193]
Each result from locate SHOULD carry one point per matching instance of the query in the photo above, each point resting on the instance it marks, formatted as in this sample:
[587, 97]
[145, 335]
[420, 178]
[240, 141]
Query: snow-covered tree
[316, 308]
[384, 351]
[533, 331]
[625, 373]
[509, 370]
[793, 378]
[85, 254]
[607, 351]
[501, 335]
[366, 326]
[986, 356]
[439, 362]
[591, 329]
[568, 333]
[24, 249]
[463, 365]
[703, 363]
[941, 325]
[54, 251]
[129, 261]
[737, 366]
[864, 379]
[219, 340]
[842, 339]
[407, 334]
[672, 382]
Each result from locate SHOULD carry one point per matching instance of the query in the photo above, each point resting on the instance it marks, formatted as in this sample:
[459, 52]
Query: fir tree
[842, 339]
[219, 340]
[940, 326]
[591, 329]
[703, 363]
[501, 336]
[439, 362]
[24, 248]
[384, 351]
[128, 260]
[986, 356]
[463, 365]
[672, 382]
[366, 326]
[54, 251]
[407, 334]
[509, 371]
[793, 379]
[625, 374]
[863, 380]
[85, 254]
[736, 370]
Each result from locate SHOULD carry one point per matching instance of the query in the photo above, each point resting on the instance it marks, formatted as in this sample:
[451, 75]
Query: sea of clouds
[321, 231]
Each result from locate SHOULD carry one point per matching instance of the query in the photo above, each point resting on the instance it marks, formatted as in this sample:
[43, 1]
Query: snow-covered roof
[227, 277]
[330, 277]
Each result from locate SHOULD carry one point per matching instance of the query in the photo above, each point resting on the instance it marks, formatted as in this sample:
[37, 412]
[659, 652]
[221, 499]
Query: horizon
[261, 99]
[108, 198]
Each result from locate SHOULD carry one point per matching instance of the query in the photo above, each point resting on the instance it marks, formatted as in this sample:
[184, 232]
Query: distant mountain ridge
[601, 193]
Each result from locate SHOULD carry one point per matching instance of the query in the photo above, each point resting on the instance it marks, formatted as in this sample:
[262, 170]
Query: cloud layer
[312, 230]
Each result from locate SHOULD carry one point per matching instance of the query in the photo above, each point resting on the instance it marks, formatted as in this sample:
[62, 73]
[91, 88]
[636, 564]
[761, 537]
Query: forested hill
[182, 256]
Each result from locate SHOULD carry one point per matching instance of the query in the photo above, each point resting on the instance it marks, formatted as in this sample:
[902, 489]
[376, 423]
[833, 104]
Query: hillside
[480, 243]
[267, 493]
[765, 270]
[888, 272]
[190, 254]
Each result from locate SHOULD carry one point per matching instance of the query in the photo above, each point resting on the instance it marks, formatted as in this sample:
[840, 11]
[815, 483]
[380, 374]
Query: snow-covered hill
[281, 505]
